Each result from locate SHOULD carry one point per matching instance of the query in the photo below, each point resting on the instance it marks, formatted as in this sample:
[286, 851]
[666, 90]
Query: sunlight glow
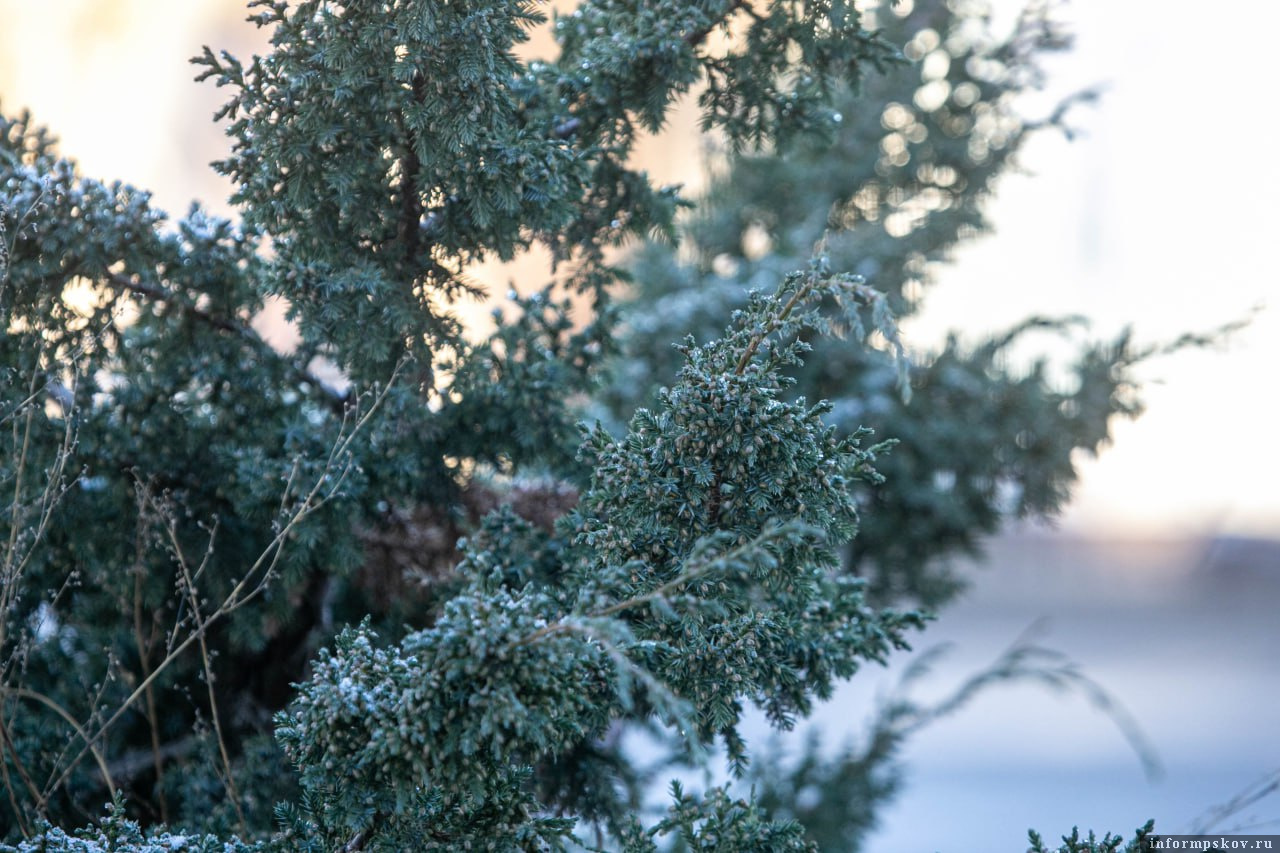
[1142, 220]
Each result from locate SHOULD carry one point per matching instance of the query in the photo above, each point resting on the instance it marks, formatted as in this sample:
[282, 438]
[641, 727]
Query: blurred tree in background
[196, 522]
[903, 182]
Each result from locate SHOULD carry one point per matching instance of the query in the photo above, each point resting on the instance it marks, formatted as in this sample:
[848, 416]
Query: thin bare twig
[257, 577]
[244, 331]
[21, 769]
[36, 696]
[189, 582]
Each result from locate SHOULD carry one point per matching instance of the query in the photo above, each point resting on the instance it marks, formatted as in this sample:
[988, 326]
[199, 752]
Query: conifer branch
[333, 398]
[776, 322]
[254, 581]
[188, 583]
[696, 37]
[702, 568]
[379, 149]
[411, 225]
[156, 294]
[130, 765]
[89, 741]
[144, 648]
[16, 757]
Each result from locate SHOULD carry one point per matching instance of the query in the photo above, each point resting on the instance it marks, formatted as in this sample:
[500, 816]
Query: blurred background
[1162, 579]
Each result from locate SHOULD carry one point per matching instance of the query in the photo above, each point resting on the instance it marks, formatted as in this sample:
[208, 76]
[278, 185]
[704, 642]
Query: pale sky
[1161, 215]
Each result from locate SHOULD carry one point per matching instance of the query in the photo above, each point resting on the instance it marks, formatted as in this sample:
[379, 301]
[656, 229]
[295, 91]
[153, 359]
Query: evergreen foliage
[230, 601]
[922, 146]
[1109, 843]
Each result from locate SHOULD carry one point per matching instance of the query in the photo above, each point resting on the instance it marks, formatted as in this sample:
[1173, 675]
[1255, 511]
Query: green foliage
[723, 457]
[1109, 843]
[716, 823]
[654, 614]
[900, 183]
[195, 519]
[834, 793]
[118, 832]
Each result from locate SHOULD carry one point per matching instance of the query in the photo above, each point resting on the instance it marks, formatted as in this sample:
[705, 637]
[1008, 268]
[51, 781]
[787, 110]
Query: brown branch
[567, 129]
[123, 282]
[251, 585]
[713, 505]
[144, 662]
[696, 37]
[566, 625]
[410, 176]
[202, 626]
[12, 749]
[134, 763]
[357, 842]
[802, 293]
[89, 747]
[335, 399]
